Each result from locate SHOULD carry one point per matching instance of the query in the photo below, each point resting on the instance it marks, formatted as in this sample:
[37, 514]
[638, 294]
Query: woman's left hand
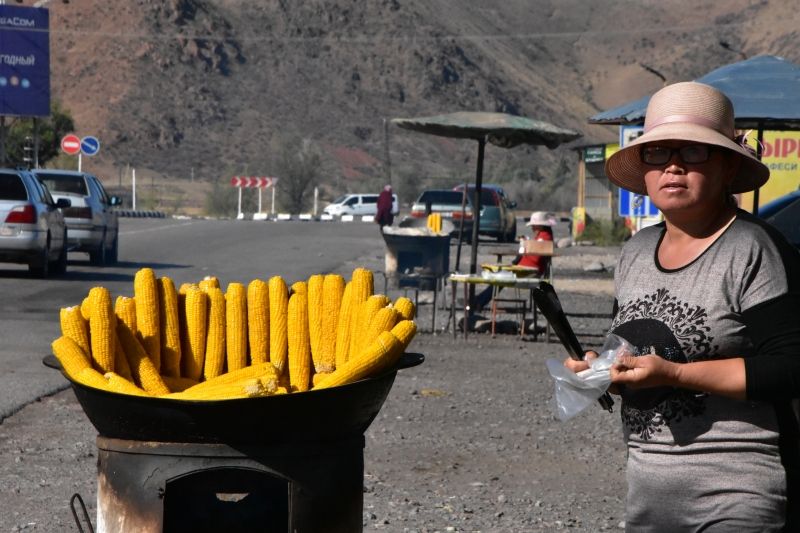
[643, 371]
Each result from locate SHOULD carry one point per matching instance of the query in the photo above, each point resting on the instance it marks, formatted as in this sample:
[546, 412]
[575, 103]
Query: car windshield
[441, 197]
[339, 199]
[12, 188]
[62, 183]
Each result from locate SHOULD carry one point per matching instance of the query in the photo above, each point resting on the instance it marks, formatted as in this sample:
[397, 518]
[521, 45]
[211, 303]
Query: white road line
[159, 228]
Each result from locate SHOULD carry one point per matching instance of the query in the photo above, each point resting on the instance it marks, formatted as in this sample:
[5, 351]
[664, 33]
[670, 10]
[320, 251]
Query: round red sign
[71, 144]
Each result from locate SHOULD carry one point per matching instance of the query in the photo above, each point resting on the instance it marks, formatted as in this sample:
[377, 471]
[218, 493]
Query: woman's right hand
[578, 366]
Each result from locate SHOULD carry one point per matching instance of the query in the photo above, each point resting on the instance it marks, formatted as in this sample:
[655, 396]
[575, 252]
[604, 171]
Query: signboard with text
[24, 61]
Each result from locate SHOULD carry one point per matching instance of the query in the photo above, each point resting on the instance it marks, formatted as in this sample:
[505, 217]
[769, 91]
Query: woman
[541, 225]
[385, 217]
[709, 299]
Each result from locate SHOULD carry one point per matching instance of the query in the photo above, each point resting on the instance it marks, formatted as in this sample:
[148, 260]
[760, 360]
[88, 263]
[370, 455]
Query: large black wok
[313, 416]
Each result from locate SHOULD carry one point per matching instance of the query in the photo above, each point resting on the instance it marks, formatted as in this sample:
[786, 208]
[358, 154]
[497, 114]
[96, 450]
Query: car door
[106, 217]
[50, 214]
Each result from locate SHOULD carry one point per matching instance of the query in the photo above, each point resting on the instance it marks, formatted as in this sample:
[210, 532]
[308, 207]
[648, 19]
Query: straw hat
[541, 218]
[687, 111]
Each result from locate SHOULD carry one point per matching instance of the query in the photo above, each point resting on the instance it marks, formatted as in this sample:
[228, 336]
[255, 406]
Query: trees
[297, 166]
[51, 129]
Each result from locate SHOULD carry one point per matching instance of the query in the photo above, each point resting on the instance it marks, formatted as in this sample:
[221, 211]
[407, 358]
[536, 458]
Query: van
[358, 205]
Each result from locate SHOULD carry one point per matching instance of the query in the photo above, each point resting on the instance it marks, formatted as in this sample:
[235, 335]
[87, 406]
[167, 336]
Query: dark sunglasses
[653, 154]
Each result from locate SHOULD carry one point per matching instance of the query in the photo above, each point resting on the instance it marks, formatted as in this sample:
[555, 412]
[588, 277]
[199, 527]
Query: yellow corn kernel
[145, 294]
[72, 357]
[316, 378]
[169, 326]
[214, 364]
[193, 358]
[366, 311]
[278, 306]
[299, 342]
[315, 309]
[74, 326]
[382, 353]
[178, 384]
[125, 309]
[117, 383]
[92, 378]
[246, 388]
[343, 327]
[121, 365]
[332, 292]
[258, 320]
[405, 307]
[86, 309]
[265, 370]
[208, 282]
[236, 326]
[102, 324]
[384, 320]
[144, 372]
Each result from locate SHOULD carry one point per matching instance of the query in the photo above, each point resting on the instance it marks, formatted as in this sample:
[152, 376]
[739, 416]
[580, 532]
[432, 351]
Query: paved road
[185, 250]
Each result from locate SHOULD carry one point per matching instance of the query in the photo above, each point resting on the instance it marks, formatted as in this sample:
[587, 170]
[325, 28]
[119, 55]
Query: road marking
[159, 228]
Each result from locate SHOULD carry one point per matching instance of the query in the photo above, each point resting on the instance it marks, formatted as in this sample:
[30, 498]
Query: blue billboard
[24, 61]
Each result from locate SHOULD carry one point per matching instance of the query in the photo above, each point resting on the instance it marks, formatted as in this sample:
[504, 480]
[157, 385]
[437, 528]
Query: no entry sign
[247, 182]
[71, 144]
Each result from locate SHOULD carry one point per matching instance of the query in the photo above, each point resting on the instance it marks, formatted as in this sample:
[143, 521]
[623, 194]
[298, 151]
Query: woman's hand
[644, 371]
[578, 366]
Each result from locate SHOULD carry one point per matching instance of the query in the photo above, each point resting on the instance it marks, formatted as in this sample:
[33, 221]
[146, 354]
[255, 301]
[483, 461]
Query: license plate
[5, 231]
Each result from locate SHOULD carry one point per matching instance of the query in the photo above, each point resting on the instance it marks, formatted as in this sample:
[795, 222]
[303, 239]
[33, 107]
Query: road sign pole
[79, 161]
[133, 188]
[272, 211]
[239, 210]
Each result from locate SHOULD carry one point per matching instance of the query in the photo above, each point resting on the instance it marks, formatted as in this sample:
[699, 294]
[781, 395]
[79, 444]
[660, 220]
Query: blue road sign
[90, 145]
[635, 205]
[24, 61]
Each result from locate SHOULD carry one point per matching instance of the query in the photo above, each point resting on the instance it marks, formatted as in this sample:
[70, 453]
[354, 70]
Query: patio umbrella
[765, 92]
[499, 129]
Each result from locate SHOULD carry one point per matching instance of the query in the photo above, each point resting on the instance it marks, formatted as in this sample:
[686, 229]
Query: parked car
[92, 226]
[358, 204]
[32, 229]
[784, 213]
[448, 203]
[497, 212]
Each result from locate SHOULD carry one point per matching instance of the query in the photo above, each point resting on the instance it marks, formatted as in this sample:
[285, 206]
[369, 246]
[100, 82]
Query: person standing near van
[385, 217]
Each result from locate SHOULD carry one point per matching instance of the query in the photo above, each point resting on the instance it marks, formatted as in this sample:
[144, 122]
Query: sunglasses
[653, 154]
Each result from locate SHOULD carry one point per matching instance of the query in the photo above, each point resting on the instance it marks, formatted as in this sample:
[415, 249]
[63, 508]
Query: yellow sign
[781, 153]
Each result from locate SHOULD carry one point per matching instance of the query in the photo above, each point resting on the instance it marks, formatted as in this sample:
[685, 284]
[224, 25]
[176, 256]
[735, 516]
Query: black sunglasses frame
[672, 151]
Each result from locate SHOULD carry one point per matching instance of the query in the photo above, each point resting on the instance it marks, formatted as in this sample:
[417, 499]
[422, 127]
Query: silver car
[32, 228]
[92, 226]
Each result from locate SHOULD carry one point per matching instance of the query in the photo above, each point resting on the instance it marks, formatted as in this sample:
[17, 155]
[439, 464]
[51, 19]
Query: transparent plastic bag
[575, 392]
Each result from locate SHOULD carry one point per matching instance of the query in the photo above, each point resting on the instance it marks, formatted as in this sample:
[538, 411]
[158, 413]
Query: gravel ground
[465, 442]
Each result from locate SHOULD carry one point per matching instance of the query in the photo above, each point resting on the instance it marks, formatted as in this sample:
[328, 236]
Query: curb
[140, 213]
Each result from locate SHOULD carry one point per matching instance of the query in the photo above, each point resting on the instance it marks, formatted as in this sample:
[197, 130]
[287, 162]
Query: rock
[564, 242]
[594, 266]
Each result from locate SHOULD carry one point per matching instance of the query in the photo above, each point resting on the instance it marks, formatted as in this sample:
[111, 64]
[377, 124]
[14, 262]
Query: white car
[358, 205]
[92, 226]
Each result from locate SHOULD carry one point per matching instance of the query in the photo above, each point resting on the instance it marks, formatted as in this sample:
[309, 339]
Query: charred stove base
[173, 487]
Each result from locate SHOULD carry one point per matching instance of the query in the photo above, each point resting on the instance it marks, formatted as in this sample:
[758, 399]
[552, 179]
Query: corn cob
[265, 370]
[178, 384]
[343, 327]
[258, 320]
[298, 337]
[366, 312]
[278, 306]
[102, 324]
[208, 282]
[117, 383]
[246, 388]
[72, 357]
[332, 291]
[169, 327]
[74, 326]
[145, 293]
[86, 309]
[121, 365]
[196, 312]
[405, 307]
[125, 309]
[144, 372]
[214, 364]
[405, 331]
[236, 326]
[382, 353]
[92, 378]
[184, 288]
[316, 378]
[315, 309]
[383, 320]
[362, 289]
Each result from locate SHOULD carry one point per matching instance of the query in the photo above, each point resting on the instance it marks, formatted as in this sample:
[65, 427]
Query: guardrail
[139, 213]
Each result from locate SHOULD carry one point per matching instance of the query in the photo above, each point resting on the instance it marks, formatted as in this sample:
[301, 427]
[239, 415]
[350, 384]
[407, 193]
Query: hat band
[690, 119]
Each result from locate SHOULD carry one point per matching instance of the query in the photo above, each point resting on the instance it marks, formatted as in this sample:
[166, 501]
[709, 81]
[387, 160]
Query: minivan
[358, 204]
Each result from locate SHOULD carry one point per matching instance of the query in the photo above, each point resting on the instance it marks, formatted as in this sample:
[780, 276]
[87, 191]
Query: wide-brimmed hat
[541, 218]
[686, 111]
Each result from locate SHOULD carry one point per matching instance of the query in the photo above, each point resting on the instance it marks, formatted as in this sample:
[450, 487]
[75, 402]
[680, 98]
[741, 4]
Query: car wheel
[511, 236]
[39, 267]
[112, 254]
[98, 257]
[59, 266]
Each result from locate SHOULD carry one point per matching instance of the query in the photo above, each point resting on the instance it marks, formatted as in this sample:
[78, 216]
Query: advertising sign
[24, 61]
[781, 153]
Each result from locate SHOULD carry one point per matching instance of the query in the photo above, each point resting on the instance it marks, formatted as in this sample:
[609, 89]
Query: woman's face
[678, 186]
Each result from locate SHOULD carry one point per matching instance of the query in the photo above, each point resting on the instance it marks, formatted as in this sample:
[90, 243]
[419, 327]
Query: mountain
[192, 92]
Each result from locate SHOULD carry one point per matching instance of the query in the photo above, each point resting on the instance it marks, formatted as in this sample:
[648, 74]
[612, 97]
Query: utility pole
[386, 157]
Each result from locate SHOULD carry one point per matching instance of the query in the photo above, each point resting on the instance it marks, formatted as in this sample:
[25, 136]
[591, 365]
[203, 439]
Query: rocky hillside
[206, 89]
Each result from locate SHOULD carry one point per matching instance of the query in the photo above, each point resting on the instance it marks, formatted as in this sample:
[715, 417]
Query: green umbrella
[499, 129]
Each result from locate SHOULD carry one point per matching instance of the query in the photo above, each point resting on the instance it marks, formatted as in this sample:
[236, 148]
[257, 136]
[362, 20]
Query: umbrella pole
[461, 228]
[476, 220]
[759, 151]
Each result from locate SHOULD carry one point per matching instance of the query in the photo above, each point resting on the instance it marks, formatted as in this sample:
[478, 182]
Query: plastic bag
[575, 392]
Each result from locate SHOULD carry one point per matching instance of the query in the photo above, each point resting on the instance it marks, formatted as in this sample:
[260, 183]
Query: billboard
[781, 153]
[24, 61]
